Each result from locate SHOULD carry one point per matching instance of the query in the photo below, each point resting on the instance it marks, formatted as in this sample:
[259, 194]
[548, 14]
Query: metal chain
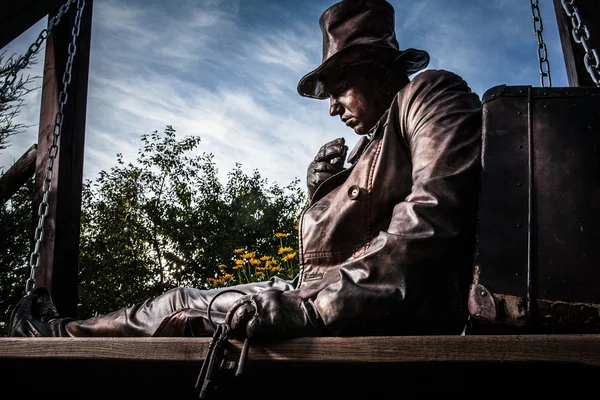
[581, 35]
[23, 61]
[538, 28]
[53, 150]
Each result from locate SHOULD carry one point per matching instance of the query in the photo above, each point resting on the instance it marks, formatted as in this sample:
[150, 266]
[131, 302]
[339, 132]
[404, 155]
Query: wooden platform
[332, 368]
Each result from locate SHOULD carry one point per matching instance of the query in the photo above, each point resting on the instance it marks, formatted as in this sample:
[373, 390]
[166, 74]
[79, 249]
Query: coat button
[353, 192]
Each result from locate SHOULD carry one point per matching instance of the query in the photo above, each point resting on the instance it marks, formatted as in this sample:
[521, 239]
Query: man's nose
[335, 108]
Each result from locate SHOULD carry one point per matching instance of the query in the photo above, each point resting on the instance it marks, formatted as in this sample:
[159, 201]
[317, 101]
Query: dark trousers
[177, 312]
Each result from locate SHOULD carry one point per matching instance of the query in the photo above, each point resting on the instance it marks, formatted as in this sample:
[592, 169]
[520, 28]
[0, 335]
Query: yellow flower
[296, 227]
[281, 235]
[260, 269]
[254, 261]
[248, 255]
[271, 262]
[239, 251]
[265, 258]
[288, 256]
[227, 277]
[260, 274]
[222, 266]
[239, 262]
[237, 267]
[284, 250]
[276, 269]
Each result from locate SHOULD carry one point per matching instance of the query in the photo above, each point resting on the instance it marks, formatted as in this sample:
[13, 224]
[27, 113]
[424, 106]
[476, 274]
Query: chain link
[24, 60]
[542, 52]
[53, 150]
[581, 35]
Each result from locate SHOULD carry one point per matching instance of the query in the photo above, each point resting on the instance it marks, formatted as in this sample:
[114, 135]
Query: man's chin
[359, 129]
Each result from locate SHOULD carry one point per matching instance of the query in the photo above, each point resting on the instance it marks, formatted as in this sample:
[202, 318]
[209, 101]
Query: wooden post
[573, 52]
[18, 174]
[59, 253]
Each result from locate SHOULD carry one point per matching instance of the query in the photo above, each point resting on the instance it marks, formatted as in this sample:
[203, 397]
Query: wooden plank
[309, 368]
[59, 254]
[18, 174]
[145, 349]
[580, 349]
[573, 52]
[18, 16]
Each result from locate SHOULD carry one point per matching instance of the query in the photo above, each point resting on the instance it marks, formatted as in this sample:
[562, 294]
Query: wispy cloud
[135, 90]
[283, 48]
[487, 43]
[227, 71]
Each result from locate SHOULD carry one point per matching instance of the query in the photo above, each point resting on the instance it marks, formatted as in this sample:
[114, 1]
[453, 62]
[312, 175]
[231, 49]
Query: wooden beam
[579, 349]
[18, 16]
[326, 368]
[59, 254]
[573, 52]
[18, 174]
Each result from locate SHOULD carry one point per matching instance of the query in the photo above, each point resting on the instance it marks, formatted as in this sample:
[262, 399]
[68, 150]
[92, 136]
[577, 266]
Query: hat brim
[311, 85]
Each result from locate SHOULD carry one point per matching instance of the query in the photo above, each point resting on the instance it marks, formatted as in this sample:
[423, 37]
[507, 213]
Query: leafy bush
[167, 221]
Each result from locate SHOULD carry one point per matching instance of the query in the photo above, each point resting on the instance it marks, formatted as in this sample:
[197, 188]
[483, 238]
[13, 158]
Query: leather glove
[36, 316]
[273, 313]
[328, 161]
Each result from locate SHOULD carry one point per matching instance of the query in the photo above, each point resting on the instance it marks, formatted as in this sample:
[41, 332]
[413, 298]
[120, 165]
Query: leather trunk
[537, 265]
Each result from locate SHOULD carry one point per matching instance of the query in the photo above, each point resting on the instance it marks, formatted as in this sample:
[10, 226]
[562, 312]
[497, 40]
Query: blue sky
[227, 70]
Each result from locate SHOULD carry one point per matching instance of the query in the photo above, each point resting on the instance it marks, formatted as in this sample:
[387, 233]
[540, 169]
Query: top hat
[356, 32]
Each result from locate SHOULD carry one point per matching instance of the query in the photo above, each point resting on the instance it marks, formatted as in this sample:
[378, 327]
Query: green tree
[162, 221]
[16, 236]
[167, 221]
[12, 93]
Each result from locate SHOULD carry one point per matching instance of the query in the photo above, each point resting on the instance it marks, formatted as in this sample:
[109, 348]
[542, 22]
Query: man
[386, 244]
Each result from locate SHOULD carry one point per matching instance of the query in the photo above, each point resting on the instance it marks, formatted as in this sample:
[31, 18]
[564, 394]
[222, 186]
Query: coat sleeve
[414, 274]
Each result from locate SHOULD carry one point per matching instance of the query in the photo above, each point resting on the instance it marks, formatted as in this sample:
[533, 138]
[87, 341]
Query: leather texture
[36, 316]
[355, 32]
[273, 313]
[388, 243]
[177, 312]
[329, 161]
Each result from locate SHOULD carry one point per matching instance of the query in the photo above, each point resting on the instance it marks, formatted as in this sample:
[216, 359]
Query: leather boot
[35, 315]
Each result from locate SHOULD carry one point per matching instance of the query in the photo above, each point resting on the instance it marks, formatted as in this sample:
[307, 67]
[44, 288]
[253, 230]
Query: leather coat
[388, 244]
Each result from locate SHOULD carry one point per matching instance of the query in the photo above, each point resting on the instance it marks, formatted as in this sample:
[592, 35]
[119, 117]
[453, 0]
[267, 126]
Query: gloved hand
[328, 161]
[273, 313]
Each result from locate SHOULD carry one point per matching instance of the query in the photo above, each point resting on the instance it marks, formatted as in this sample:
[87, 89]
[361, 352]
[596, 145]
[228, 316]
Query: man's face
[353, 97]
